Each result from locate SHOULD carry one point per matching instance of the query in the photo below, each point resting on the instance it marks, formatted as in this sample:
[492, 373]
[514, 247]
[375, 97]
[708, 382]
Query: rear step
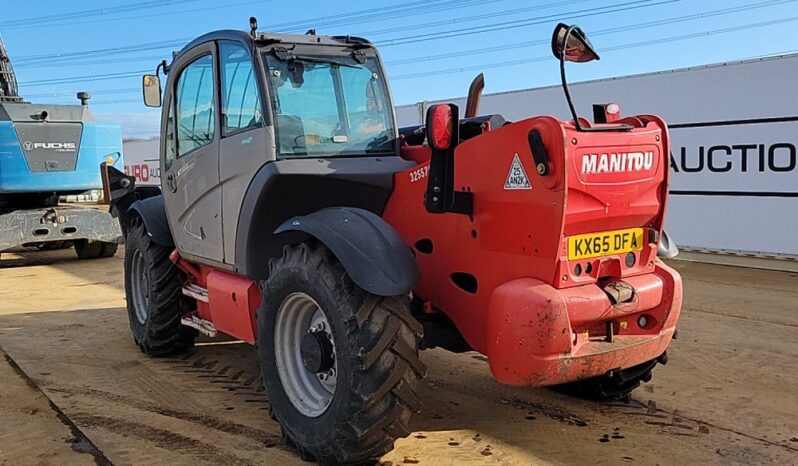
[199, 293]
[205, 327]
[195, 291]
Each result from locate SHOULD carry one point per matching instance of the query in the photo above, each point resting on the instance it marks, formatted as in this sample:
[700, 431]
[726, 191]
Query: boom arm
[8, 80]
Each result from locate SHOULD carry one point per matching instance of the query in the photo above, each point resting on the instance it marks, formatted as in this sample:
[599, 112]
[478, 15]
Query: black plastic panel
[296, 187]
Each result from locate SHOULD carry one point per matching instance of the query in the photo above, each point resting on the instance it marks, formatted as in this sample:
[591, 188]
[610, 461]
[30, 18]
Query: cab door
[190, 178]
[245, 144]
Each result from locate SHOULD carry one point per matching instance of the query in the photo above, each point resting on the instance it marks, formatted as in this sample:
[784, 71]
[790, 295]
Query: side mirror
[151, 87]
[569, 43]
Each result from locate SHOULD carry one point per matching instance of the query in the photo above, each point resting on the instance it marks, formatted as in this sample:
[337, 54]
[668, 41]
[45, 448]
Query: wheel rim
[140, 286]
[305, 354]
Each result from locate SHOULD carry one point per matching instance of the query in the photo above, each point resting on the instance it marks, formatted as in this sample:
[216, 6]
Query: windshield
[329, 105]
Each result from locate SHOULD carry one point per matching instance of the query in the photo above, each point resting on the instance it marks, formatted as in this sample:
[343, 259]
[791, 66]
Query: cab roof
[272, 38]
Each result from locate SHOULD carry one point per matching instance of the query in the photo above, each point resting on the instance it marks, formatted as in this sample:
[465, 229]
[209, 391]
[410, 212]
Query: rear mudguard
[153, 214]
[373, 254]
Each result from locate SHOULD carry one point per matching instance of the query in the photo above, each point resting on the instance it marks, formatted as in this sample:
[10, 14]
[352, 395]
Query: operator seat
[291, 132]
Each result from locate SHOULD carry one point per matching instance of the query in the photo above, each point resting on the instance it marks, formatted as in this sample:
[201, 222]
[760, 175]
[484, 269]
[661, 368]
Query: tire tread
[163, 333]
[384, 353]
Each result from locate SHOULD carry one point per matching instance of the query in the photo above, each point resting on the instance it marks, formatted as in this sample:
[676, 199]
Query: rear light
[647, 321]
[606, 113]
[442, 128]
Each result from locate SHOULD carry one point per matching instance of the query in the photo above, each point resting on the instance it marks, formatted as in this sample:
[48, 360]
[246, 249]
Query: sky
[432, 48]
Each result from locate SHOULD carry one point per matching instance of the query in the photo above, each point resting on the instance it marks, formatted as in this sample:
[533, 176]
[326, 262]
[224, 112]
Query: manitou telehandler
[50, 154]
[295, 216]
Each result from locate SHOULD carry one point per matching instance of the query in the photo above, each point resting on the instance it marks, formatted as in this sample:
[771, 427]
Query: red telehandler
[294, 215]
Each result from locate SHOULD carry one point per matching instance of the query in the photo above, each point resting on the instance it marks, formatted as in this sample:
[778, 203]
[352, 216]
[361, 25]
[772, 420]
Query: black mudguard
[666, 247]
[373, 254]
[153, 213]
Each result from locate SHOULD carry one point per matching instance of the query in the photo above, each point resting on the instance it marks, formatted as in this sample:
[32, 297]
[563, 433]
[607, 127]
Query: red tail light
[441, 127]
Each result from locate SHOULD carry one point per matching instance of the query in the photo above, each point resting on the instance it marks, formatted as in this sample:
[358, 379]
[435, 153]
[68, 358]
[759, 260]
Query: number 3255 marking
[420, 174]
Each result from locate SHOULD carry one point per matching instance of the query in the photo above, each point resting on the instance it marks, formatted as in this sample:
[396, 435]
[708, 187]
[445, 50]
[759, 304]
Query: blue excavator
[50, 158]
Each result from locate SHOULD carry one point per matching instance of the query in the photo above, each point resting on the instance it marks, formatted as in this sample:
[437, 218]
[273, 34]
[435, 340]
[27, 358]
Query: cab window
[195, 115]
[329, 105]
[240, 100]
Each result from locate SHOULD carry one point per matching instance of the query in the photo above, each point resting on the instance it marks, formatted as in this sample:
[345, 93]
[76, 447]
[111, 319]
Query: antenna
[253, 26]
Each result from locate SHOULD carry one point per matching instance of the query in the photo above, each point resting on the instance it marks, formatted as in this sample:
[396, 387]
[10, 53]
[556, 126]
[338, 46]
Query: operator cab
[251, 117]
[326, 96]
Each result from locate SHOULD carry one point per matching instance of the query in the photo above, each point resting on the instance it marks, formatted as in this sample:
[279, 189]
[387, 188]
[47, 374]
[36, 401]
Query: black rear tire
[109, 249]
[155, 301]
[376, 352]
[616, 386]
[87, 249]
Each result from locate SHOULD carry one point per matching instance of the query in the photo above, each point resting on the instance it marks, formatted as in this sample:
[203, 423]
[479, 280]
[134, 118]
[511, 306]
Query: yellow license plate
[605, 243]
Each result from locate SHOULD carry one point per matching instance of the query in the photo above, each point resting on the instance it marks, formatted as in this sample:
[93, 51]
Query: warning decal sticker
[517, 178]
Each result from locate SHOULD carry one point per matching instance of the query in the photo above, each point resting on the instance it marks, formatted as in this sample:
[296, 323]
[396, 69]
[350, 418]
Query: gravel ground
[74, 389]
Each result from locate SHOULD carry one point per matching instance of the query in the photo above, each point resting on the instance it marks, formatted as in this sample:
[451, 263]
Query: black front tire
[153, 286]
[376, 351]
